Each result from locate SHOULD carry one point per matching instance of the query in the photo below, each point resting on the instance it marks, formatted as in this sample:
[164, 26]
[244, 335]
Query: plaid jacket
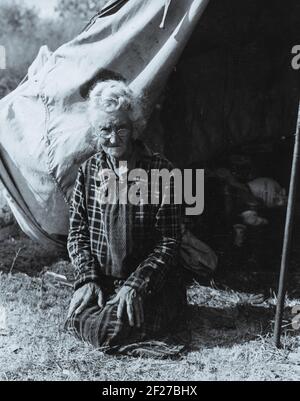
[155, 229]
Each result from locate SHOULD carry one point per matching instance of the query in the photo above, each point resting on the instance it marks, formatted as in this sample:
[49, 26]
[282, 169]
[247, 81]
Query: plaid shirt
[155, 228]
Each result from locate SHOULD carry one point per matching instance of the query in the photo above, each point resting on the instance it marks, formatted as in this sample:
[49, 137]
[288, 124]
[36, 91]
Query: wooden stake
[287, 235]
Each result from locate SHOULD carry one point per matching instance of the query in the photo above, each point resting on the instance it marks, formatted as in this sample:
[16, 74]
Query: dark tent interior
[231, 103]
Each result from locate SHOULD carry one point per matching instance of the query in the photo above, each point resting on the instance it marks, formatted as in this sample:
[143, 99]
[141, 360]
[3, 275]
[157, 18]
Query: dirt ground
[231, 338]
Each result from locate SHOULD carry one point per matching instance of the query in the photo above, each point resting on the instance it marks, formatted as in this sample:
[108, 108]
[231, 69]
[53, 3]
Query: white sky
[46, 7]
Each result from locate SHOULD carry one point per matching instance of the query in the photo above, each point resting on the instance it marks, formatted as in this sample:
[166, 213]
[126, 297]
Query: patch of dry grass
[231, 339]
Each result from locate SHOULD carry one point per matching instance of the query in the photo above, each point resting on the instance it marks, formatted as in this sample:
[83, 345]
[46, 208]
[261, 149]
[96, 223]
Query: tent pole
[287, 235]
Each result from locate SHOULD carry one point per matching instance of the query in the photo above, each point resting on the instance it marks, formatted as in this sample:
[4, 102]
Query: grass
[232, 339]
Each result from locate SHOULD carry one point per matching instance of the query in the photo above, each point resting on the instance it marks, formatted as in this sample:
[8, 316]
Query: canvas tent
[44, 134]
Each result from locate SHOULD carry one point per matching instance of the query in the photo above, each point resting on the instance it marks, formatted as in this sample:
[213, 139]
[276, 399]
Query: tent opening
[230, 107]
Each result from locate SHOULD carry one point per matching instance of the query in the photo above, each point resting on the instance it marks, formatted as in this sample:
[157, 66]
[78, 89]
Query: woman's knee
[99, 327]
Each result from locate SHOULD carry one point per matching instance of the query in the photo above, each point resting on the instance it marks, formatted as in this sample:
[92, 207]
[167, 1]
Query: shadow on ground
[228, 326]
[20, 254]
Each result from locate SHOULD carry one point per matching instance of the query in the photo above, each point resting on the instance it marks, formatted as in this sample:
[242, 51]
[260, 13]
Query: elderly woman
[128, 285]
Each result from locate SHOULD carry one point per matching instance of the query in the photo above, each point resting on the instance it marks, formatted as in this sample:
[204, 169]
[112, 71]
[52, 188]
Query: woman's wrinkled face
[114, 132]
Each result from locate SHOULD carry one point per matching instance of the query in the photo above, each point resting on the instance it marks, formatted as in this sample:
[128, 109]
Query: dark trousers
[164, 313]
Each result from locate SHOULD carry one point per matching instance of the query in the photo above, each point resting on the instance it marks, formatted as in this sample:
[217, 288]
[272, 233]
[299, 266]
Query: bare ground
[232, 339]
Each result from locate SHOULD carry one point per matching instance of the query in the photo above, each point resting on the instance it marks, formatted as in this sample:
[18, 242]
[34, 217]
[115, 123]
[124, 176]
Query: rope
[166, 9]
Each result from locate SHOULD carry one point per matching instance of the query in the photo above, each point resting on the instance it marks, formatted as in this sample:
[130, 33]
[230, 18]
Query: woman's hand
[83, 296]
[130, 301]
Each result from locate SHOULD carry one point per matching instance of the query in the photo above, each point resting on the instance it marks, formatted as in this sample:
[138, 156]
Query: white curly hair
[112, 95]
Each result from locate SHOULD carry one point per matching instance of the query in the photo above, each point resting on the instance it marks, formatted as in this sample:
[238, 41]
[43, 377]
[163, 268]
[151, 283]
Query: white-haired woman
[128, 285]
